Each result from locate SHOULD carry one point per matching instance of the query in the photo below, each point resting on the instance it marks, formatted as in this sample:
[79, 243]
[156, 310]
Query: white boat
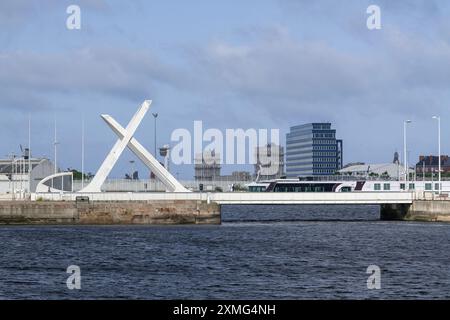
[298, 185]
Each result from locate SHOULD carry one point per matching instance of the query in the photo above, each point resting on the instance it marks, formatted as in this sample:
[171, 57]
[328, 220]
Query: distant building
[14, 174]
[382, 170]
[207, 166]
[241, 175]
[235, 176]
[352, 164]
[313, 150]
[269, 162]
[429, 164]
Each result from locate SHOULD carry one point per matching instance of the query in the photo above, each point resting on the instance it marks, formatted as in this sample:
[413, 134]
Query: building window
[387, 186]
[377, 186]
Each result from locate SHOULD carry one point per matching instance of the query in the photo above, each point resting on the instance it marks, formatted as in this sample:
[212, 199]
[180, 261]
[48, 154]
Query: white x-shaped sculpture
[126, 139]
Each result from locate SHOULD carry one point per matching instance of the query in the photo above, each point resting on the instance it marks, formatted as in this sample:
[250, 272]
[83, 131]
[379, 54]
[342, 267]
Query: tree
[385, 175]
[238, 187]
[77, 174]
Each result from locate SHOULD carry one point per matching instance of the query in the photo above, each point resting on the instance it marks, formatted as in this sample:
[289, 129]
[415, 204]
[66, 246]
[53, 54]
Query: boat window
[402, 186]
[428, 186]
[412, 186]
[387, 186]
[377, 186]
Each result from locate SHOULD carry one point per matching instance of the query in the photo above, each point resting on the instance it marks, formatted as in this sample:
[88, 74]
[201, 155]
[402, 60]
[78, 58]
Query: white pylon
[126, 139]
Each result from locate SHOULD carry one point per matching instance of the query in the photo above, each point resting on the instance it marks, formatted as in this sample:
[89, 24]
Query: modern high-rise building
[313, 150]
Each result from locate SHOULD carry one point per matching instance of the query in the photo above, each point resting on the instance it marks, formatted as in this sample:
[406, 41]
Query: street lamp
[82, 152]
[55, 144]
[155, 115]
[405, 157]
[439, 147]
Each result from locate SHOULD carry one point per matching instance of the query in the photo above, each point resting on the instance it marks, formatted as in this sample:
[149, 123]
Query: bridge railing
[313, 198]
[242, 197]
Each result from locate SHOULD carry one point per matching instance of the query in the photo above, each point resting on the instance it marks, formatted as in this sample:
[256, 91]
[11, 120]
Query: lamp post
[82, 152]
[439, 150]
[29, 153]
[405, 157]
[155, 115]
[55, 144]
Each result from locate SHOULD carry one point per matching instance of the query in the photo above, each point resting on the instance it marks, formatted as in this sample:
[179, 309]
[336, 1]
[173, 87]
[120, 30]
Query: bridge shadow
[301, 212]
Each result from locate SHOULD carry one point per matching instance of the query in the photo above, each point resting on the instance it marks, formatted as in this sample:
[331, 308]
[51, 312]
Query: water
[259, 252]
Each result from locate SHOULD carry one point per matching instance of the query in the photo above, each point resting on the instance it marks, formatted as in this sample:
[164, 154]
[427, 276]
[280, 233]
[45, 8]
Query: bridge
[223, 198]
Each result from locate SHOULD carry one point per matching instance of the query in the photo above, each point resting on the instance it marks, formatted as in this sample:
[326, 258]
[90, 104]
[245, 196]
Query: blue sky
[231, 64]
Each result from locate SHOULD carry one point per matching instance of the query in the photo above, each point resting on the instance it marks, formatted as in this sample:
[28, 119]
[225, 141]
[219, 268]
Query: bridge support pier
[419, 210]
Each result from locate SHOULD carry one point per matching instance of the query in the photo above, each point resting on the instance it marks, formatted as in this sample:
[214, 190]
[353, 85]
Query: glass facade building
[313, 150]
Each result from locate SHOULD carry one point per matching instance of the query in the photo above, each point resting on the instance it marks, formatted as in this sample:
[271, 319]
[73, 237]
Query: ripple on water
[259, 252]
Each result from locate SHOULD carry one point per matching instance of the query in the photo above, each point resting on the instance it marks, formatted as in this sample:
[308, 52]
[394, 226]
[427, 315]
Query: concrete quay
[418, 210]
[162, 212]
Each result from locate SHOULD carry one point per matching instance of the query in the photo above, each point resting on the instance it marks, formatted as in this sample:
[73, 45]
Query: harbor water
[259, 252]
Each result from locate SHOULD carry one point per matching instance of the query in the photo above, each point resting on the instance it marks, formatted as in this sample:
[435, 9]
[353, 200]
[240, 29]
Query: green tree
[77, 174]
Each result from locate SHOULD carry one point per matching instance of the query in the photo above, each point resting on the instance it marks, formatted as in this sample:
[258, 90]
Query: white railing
[243, 197]
[154, 185]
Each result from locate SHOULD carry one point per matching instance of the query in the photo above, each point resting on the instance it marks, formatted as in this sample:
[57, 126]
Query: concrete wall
[429, 211]
[41, 171]
[109, 212]
[419, 210]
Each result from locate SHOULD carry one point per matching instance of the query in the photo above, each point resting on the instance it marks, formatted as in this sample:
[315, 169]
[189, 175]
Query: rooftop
[433, 160]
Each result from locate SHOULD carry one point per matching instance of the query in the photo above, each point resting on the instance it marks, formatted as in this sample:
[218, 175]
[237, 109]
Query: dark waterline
[259, 252]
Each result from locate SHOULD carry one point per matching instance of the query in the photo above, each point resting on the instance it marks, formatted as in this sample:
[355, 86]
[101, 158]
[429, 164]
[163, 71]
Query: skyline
[233, 164]
[285, 64]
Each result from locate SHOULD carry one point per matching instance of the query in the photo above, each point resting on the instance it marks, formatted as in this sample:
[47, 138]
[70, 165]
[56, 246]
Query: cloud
[123, 73]
[316, 62]
[17, 14]
[389, 76]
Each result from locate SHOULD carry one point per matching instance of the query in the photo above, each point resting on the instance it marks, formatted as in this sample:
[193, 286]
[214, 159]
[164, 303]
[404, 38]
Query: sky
[231, 64]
